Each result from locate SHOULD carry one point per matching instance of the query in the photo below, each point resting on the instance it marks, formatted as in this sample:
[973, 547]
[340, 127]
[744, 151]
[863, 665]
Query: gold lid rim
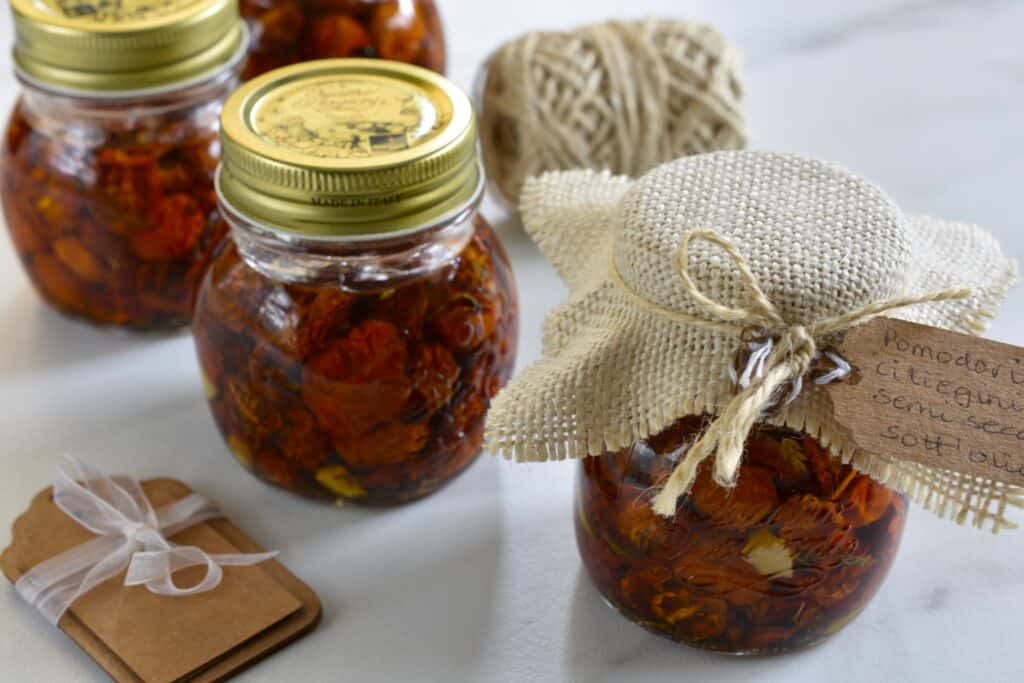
[348, 146]
[186, 43]
[130, 85]
[258, 170]
[326, 232]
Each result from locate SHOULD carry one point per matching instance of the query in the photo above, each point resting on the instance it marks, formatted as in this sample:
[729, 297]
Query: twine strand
[763, 309]
[791, 353]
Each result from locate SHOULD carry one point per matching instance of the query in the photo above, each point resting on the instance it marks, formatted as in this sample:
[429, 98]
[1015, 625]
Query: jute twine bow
[793, 349]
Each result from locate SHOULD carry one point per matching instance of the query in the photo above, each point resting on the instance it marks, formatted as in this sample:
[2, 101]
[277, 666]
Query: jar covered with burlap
[719, 501]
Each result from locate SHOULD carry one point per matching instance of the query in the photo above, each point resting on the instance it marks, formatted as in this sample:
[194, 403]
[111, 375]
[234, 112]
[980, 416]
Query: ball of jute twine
[622, 95]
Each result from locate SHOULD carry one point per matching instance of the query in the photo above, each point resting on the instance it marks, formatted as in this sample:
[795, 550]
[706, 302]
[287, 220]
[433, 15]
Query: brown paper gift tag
[136, 635]
[940, 398]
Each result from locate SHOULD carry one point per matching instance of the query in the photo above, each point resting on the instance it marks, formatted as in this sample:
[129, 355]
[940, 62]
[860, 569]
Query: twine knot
[796, 345]
[777, 354]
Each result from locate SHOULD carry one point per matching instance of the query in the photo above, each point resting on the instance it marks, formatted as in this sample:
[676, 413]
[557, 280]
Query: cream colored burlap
[819, 241]
[623, 96]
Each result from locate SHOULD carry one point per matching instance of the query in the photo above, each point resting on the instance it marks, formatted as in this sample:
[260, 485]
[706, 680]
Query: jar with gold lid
[108, 159]
[353, 332]
[289, 31]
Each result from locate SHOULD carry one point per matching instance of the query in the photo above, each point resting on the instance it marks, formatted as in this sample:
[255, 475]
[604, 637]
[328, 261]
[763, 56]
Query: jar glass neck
[355, 264]
[129, 107]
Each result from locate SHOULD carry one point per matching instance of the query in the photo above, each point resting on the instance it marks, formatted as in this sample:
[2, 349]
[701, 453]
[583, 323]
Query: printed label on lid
[115, 11]
[345, 117]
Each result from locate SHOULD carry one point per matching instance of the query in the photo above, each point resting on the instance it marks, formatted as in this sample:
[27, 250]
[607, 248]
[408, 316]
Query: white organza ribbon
[130, 534]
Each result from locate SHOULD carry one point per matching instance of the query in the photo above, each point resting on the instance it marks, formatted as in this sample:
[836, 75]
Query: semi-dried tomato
[366, 396]
[112, 208]
[289, 31]
[787, 557]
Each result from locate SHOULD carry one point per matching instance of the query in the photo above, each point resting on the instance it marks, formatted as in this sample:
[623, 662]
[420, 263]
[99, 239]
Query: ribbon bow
[130, 534]
[784, 358]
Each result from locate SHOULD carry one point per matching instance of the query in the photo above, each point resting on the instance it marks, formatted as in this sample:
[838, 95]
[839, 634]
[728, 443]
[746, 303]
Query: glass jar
[353, 333]
[107, 172]
[290, 31]
[783, 560]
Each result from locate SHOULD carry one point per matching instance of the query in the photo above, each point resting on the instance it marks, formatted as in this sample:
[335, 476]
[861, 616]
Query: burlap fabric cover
[820, 240]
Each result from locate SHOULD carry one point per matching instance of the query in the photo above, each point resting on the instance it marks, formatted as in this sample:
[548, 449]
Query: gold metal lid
[114, 46]
[347, 147]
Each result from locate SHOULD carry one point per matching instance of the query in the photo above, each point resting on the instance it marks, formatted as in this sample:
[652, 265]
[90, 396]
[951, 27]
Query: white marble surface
[482, 582]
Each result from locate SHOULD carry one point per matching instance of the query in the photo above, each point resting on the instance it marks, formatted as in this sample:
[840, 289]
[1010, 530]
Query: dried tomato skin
[289, 31]
[114, 221]
[780, 562]
[344, 396]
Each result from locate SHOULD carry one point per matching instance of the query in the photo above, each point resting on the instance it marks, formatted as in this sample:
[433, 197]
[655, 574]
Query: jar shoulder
[476, 284]
[789, 462]
[64, 124]
[169, 148]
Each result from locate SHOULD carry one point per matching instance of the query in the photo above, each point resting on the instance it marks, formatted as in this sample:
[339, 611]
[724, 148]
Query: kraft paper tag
[143, 628]
[935, 397]
[138, 636]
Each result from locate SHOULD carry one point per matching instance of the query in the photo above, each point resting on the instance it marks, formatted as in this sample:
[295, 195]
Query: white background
[482, 582]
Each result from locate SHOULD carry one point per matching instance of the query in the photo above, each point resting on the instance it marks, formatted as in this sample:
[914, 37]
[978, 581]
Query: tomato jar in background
[109, 154]
[353, 332]
[289, 31]
[786, 558]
